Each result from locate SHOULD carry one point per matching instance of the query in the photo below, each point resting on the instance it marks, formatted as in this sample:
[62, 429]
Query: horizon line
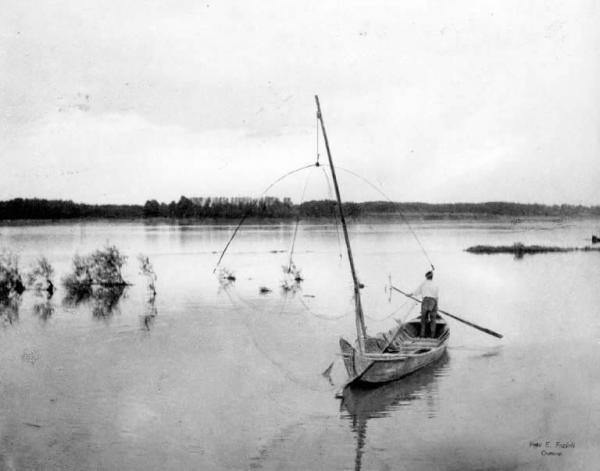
[297, 204]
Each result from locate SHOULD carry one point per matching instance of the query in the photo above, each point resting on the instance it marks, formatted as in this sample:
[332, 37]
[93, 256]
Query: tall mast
[361, 330]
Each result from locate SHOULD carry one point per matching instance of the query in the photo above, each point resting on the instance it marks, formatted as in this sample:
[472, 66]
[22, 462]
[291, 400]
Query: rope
[322, 316]
[285, 176]
[401, 214]
[308, 309]
[250, 323]
[231, 240]
[393, 312]
[335, 217]
[293, 244]
[248, 211]
[298, 222]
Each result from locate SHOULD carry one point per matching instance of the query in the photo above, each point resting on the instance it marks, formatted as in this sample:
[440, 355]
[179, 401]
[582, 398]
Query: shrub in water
[40, 276]
[226, 274]
[292, 277]
[293, 272]
[147, 270]
[102, 267]
[10, 279]
[106, 266]
[80, 279]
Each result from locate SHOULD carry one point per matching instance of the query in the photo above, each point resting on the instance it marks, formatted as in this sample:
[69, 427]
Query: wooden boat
[395, 354]
[365, 401]
[387, 356]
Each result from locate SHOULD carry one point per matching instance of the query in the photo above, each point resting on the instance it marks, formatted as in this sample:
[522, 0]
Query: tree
[185, 208]
[151, 209]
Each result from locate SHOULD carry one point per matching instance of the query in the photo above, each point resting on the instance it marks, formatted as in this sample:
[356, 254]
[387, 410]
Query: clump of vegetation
[519, 249]
[106, 266]
[290, 286]
[293, 272]
[79, 281]
[147, 270]
[10, 278]
[40, 276]
[292, 277]
[101, 268]
[226, 274]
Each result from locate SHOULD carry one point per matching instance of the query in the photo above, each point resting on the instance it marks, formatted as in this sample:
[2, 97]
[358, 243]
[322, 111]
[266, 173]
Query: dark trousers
[428, 314]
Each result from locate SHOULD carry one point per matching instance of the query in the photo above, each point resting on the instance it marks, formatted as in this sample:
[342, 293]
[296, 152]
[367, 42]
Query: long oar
[475, 326]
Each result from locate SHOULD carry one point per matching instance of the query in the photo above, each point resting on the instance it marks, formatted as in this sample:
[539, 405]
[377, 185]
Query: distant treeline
[271, 207]
[494, 208]
[60, 209]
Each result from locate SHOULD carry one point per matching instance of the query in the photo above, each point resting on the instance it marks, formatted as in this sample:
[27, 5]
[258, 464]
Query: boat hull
[411, 354]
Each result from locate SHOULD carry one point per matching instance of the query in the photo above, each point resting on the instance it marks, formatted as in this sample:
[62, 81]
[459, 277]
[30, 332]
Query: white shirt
[428, 289]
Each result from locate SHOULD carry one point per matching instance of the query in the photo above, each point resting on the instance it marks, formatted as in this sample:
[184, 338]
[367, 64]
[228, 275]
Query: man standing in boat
[429, 291]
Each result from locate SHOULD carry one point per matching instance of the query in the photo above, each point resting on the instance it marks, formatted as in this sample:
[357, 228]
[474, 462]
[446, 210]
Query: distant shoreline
[362, 219]
[216, 210]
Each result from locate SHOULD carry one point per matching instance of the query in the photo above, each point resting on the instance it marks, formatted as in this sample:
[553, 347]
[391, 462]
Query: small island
[519, 250]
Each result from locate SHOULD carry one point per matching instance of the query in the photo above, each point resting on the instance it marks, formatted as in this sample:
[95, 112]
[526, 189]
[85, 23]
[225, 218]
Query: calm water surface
[222, 377]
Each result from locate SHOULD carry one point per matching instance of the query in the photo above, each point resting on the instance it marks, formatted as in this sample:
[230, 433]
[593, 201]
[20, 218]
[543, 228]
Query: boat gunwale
[398, 356]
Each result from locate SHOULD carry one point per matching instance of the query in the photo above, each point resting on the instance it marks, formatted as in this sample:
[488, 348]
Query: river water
[218, 375]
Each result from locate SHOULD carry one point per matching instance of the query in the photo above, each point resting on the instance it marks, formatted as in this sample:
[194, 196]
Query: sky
[436, 101]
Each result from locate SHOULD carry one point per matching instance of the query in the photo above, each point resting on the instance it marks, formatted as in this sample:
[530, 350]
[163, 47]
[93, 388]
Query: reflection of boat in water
[362, 402]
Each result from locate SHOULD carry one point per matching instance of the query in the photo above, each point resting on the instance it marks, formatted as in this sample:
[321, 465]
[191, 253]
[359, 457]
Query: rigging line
[390, 314]
[335, 218]
[409, 311]
[231, 240]
[250, 323]
[322, 316]
[285, 176]
[249, 209]
[399, 212]
[298, 221]
[289, 269]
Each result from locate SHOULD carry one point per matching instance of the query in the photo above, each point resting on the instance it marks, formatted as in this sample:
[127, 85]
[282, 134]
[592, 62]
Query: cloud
[468, 101]
[126, 158]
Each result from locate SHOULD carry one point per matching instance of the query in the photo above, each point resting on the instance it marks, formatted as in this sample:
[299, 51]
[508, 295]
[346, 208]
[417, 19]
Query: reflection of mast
[361, 435]
[368, 402]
